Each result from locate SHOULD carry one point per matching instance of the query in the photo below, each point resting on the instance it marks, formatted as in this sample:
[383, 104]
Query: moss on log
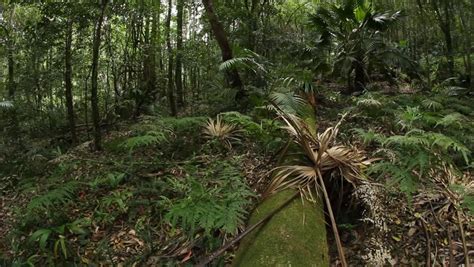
[295, 236]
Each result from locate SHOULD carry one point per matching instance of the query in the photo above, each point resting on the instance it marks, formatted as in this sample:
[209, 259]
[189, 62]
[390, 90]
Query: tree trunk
[233, 76]
[11, 72]
[170, 92]
[179, 56]
[94, 86]
[445, 26]
[68, 82]
[171, 99]
[359, 79]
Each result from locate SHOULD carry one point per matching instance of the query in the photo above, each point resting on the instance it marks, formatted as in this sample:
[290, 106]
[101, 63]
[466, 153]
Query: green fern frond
[408, 117]
[369, 103]
[219, 204]
[369, 136]
[447, 143]
[150, 138]
[407, 141]
[399, 175]
[58, 196]
[452, 120]
[432, 104]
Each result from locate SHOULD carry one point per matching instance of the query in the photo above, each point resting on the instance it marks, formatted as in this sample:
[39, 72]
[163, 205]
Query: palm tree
[352, 31]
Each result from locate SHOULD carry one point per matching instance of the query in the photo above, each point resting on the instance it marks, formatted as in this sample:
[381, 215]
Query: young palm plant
[320, 157]
[223, 132]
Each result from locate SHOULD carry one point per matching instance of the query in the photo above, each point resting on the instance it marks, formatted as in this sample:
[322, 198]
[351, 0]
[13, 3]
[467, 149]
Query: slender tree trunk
[466, 32]
[158, 34]
[445, 26]
[171, 99]
[233, 76]
[11, 73]
[179, 55]
[94, 85]
[68, 82]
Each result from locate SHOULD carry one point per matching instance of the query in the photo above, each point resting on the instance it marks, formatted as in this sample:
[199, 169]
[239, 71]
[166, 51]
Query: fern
[447, 143]
[150, 138]
[452, 120]
[369, 103]
[408, 117]
[407, 141]
[369, 136]
[58, 196]
[210, 205]
[402, 176]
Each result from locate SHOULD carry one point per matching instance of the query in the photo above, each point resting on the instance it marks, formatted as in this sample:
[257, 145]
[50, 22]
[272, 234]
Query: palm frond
[224, 132]
[432, 104]
[6, 104]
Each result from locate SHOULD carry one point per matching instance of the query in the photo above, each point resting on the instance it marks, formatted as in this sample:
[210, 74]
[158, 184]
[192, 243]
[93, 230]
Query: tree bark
[171, 98]
[445, 26]
[11, 72]
[68, 82]
[179, 55]
[233, 76]
[94, 85]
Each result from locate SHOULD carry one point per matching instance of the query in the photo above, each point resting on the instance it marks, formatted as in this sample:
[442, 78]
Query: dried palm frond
[322, 157]
[223, 132]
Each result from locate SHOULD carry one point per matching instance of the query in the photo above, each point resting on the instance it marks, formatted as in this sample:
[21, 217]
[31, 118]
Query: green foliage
[6, 104]
[116, 200]
[215, 200]
[368, 137]
[54, 239]
[249, 60]
[111, 180]
[150, 138]
[56, 198]
[431, 104]
[355, 30]
[296, 105]
[428, 137]
[455, 119]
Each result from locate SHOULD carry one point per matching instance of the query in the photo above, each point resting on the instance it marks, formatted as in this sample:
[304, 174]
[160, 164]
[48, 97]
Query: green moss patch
[295, 236]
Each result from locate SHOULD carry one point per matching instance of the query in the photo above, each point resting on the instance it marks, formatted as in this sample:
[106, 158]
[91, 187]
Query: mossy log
[295, 236]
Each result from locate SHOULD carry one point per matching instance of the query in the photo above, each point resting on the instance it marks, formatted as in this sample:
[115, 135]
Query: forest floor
[114, 205]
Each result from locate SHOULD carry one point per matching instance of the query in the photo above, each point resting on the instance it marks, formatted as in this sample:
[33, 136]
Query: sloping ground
[159, 193]
[129, 204]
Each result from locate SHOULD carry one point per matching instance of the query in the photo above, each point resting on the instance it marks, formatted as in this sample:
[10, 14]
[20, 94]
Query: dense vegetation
[146, 132]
